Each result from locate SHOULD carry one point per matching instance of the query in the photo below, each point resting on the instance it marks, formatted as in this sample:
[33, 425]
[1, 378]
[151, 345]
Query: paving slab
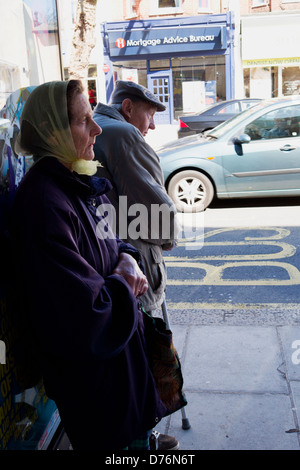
[243, 387]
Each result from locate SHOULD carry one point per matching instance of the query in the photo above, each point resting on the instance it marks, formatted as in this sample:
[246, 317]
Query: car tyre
[191, 191]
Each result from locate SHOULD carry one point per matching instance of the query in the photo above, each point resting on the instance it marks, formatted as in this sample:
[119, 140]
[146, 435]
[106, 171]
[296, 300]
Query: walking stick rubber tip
[185, 423]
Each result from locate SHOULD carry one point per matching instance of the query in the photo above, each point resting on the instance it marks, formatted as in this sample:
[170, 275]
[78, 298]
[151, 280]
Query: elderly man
[145, 215]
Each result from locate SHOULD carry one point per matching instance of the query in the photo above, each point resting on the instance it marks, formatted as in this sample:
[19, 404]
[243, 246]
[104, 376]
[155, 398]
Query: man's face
[142, 116]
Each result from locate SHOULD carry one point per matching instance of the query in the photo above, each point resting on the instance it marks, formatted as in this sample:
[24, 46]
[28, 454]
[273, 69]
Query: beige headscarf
[46, 111]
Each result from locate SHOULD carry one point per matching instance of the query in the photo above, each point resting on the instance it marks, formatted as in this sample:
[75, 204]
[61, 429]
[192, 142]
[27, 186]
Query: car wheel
[191, 191]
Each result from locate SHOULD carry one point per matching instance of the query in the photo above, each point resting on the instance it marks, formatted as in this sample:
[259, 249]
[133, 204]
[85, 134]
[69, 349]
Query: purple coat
[83, 320]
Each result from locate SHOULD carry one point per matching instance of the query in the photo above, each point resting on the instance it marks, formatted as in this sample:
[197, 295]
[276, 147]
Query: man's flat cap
[125, 90]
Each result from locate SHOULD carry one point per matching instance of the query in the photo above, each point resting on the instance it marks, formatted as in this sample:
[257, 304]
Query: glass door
[159, 83]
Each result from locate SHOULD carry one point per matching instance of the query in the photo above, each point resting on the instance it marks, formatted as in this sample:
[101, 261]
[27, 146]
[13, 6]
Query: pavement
[241, 374]
[241, 369]
[241, 379]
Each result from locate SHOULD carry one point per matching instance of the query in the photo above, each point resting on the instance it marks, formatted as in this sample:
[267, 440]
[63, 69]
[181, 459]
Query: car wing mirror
[242, 139]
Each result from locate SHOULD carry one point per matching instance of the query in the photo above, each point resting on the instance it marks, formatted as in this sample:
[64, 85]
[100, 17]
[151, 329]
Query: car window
[234, 122]
[283, 122]
[232, 108]
[247, 104]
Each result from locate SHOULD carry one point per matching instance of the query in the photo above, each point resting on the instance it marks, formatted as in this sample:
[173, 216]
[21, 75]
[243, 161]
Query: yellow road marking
[214, 274]
[279, 234]
[285, 250]
[229, 306]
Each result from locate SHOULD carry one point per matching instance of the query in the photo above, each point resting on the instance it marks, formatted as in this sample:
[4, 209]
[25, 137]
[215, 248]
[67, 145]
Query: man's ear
[127, 107]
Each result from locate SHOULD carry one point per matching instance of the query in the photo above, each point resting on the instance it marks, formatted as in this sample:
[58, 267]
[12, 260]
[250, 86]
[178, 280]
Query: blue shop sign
[169, 40]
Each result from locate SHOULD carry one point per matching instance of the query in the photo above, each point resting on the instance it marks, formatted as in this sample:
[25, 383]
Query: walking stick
[185, 421]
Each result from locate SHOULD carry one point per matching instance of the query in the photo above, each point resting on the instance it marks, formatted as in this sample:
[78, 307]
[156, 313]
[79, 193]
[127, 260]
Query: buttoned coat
[134, 170]
[82, 319]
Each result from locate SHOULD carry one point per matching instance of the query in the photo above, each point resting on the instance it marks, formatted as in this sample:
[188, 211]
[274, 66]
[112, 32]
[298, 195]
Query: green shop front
[187, 62]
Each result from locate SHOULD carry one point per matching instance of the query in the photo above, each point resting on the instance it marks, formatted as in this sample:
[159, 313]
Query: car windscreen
[235, 120]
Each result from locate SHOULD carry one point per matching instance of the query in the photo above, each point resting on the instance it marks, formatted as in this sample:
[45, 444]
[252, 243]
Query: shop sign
[158, 41]
[272, 62]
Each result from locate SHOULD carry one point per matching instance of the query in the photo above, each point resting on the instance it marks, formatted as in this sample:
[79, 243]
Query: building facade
[186, 62]
[189, 52]
[271, 53]
[32, 55]
[152, 42]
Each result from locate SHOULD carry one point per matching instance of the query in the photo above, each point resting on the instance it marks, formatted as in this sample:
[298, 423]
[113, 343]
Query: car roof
[273, 102]
[285, 99]
[219, 104]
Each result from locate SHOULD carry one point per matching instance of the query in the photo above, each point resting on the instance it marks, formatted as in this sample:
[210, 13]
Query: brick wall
[247, 7]
[191, 8]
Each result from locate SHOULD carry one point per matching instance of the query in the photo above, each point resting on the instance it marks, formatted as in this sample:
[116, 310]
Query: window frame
[156, 10]
[130, 13]
[203, 9]
[257, 3]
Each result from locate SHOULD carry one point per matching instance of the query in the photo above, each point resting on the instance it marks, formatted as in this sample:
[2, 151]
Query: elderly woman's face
[83, 128]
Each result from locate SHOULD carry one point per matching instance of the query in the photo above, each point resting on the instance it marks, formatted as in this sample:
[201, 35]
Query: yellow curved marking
[281, 233]
[286, 250]
[228, 306]
[214, 274]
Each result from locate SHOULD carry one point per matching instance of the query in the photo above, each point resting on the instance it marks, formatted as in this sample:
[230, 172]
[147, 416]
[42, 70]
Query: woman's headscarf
[47, 112]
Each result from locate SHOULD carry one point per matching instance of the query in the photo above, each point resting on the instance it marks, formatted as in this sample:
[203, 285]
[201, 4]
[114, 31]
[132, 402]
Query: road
[239, 260]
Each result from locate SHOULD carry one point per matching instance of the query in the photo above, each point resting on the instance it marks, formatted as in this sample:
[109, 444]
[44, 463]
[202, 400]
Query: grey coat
[134, 170]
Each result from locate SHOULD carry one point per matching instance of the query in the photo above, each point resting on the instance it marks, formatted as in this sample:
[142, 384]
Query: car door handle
[287, 148]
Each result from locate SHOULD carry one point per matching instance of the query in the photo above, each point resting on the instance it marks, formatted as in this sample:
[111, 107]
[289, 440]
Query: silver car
[254, 154]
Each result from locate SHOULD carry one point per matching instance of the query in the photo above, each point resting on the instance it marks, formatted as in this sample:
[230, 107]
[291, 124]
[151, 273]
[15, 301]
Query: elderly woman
[79, 291]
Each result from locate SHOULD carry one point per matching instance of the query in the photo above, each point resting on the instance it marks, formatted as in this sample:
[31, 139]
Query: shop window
[131, 70]
[41, 34]
[267, 82]
[162, 64]
[197, 82]
[290, 81]
[44, 22]
[247, 83]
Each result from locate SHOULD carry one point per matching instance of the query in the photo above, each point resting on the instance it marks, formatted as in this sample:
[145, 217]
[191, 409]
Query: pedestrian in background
[92, 97]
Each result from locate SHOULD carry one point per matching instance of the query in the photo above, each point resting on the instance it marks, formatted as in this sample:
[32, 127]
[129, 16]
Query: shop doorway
[92, 92]
[159, 83]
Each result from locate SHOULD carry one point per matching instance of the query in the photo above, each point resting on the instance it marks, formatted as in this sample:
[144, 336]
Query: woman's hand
[128, 268]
